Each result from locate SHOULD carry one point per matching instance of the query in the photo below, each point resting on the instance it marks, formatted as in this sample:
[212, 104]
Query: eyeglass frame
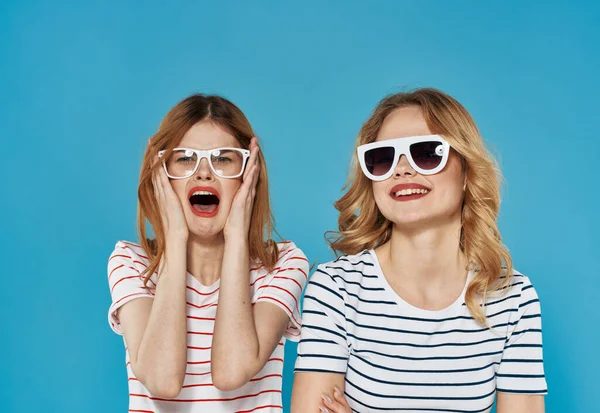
[201, 154]
[402, 147]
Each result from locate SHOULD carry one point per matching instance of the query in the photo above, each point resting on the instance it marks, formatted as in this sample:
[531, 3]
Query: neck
[426, 255]
[204, 258]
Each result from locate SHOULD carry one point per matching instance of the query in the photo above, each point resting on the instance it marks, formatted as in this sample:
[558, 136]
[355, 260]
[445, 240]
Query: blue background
[83, 86]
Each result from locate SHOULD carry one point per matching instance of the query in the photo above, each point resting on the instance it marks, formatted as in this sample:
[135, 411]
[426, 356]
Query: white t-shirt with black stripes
[399, 358]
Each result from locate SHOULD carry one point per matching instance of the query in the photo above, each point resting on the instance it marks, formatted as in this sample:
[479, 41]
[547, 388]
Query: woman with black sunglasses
[423, 312]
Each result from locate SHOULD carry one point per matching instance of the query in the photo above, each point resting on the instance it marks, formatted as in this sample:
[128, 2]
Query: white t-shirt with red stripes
[281, 287]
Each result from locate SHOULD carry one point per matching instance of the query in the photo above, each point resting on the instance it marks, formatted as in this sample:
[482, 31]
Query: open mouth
[204, 202]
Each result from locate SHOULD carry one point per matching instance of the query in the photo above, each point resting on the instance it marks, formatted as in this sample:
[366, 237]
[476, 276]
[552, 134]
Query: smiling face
[206, 198]
[407, 198]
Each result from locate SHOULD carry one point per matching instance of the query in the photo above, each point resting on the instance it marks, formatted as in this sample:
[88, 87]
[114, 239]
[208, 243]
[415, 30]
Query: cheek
[451, 195]
[179, 186]
[449, 191]
[229, 188]
[380, 195]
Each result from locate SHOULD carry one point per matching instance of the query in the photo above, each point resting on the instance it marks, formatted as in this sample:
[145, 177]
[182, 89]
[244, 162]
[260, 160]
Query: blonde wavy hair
[362, 226]
[190, 111]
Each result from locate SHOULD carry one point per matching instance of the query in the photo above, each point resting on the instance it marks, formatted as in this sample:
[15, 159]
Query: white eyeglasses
[224, 162]
[426, 154]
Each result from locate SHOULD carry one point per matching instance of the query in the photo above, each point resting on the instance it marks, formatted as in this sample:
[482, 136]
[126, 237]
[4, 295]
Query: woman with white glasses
[423, 311]
[205, 304]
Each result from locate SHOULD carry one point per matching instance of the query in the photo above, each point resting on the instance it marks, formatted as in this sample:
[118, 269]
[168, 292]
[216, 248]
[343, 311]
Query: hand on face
[240, 214]
[171, 211]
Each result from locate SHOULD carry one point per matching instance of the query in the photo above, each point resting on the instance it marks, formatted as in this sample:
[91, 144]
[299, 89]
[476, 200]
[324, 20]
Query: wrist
[176, 248]
[179, 239]
[236, 238]
[237, 245]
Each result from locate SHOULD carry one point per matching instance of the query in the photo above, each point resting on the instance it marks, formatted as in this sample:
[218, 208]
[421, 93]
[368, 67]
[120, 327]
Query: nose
[204, 173]
[403, 168]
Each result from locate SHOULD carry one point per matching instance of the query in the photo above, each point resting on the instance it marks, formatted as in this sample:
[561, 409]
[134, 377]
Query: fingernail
[336, 390]
[326, 399]
[324, 410]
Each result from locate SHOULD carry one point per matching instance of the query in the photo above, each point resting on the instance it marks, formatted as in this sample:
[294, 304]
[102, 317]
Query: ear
[465, 185]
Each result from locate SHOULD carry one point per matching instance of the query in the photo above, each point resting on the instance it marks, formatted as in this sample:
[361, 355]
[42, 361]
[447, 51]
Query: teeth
[411, 192]
[202, 193]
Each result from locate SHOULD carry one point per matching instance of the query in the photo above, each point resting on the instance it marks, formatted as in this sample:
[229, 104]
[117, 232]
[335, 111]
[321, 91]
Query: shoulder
[288, 251]
[131, 249]
[520, 284]
[129, 253]
[344, 271]
[291, 264]
[518, 292]
[349, 267]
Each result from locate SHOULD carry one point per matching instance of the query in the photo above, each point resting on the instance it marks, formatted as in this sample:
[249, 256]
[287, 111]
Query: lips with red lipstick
[408, 192]
[204, 201]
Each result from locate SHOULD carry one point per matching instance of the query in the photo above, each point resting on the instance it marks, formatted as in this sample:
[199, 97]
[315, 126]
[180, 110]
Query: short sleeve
[323, 344]
[125, 282]
[284, 285]
[521, 369]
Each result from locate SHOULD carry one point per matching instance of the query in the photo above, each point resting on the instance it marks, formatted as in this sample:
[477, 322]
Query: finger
[247, 184]
[249, 187]
[158, 187]
[253, 159]
[249, 163]
[253, 143]
[161, 195]
[164, 181]
[255, 176]
[339, 397]
[256, 150]
[332, 405]
[253, 179]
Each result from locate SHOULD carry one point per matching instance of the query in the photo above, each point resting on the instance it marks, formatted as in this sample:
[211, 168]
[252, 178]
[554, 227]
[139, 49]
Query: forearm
[162, 354]
[236, 359]
[519, 403]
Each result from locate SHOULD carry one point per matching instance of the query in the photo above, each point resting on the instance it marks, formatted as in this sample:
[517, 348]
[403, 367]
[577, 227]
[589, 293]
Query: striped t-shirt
[400, 358]
[281, 287]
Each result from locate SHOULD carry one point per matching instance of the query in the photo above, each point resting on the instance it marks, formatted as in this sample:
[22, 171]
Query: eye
[184, 159]
[222, 159]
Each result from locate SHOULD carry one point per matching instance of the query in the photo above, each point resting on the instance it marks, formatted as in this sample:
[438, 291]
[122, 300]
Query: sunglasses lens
[427, 155]
[379, 161]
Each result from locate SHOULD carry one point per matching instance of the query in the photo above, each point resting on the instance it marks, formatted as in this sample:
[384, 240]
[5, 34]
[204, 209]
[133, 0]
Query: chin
[402, 216]
[421, 220]
[205, 233]
[410, 222]
[210, 228]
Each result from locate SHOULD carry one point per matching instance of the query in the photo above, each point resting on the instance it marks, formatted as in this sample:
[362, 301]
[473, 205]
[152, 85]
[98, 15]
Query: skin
[210, 249]
[422, 261]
